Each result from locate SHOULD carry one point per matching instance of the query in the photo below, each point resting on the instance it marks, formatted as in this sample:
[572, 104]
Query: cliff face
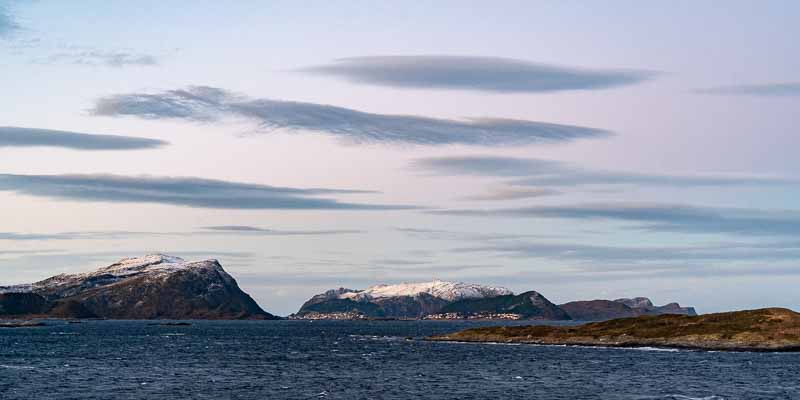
[150, 287]
[769, 329]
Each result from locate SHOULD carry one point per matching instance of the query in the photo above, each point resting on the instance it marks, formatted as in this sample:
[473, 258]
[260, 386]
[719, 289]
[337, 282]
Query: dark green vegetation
[768, 329]
[528, 305]
[22, 303]
[343, 306]
[598, 310]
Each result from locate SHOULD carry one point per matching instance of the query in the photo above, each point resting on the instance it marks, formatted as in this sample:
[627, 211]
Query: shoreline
[763, 330]
[632, 346]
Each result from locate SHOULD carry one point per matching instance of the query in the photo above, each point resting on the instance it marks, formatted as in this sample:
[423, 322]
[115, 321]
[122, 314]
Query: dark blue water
[359, 360]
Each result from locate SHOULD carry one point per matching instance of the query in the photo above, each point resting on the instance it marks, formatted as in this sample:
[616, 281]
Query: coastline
[763, 330]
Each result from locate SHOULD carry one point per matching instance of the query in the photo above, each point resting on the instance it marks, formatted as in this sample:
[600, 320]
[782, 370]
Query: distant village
[355, 315]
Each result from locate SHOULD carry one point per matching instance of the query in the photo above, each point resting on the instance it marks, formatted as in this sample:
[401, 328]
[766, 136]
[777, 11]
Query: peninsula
[768, 329]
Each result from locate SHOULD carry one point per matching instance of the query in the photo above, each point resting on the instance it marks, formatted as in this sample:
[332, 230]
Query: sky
[581, 149]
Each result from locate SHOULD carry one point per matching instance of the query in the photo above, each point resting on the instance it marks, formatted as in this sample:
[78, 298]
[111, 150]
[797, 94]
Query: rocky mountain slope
[149, 287]
[405, 300]
[22, 304]
[528, 305]
[451, 300]
[769, 329]
[601, 310]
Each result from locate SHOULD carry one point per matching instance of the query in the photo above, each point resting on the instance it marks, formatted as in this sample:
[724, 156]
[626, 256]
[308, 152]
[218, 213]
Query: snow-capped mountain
[153, 286]
[151, 267]
[403, 300]
[154, 265]
[450, 291]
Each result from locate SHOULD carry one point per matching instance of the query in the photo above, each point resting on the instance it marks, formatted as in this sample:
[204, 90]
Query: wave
[683, 397]
[18, 367]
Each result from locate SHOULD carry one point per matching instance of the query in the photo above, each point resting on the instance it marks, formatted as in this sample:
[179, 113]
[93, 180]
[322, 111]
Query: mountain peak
[151, 286]
[636, 302]
[446, 290]
[143, 263]
[402, 300]
[152, 265]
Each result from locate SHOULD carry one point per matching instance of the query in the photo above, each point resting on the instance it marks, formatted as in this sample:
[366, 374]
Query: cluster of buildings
[349, 315]
[460, 316]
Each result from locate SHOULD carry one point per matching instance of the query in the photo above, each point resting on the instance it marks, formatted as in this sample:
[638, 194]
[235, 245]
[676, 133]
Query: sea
[360, 360]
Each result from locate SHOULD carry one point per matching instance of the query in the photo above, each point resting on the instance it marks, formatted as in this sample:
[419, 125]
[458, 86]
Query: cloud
[485, 165]
[598, 262]
[604, 256]
[115, 59]
[70, 54]
[7, 24]
[15, 236]
[189, 192]
[25, 252]
[11, 136]
[251, 230]
[661, 217]
[398, 262]
[440, 234]
[486, 74]
[541, 173]
[512, 193]
[764, 90]
[208, 104]
[209, 230]
[80, 235]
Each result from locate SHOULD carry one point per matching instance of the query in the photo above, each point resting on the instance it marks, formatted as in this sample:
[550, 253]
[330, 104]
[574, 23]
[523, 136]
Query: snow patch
[153, 266]
[450, 291]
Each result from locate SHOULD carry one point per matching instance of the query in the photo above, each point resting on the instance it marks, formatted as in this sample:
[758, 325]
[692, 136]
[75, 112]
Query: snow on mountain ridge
[151, 262]
[450, 291]
[153, 265]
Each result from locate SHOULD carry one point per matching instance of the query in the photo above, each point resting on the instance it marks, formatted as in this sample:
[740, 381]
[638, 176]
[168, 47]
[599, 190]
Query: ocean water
[359, 360]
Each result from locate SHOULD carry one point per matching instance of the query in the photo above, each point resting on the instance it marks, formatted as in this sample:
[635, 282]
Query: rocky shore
[768, 329]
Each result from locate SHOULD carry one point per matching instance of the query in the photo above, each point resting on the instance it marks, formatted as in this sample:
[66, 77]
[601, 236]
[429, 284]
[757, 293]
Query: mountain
[452, 300]
[22, 304]
[601, 310]
[644, 304]
[528, 305]
[598, 310]
[404, 300]
[150, 287]
[768, 329]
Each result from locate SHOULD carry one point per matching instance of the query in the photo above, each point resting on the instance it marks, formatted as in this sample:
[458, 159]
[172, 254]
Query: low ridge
[768, 329]
[602, 310]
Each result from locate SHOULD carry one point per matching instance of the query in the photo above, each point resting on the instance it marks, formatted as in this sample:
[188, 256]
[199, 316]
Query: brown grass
[764, 329]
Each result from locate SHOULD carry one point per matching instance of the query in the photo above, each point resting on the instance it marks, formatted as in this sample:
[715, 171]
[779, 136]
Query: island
[768, 329]
[155, 286]
[444, 300]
